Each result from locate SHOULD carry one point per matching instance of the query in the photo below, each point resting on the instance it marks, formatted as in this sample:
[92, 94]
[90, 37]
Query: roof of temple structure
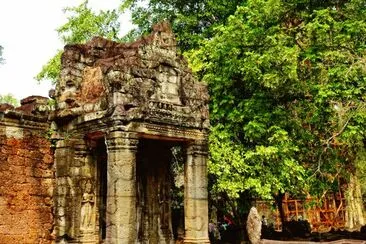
[146, 80]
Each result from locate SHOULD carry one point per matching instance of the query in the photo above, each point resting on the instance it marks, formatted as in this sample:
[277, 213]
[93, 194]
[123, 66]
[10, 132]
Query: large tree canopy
[192, 20]
[287, 86]
[287, 82]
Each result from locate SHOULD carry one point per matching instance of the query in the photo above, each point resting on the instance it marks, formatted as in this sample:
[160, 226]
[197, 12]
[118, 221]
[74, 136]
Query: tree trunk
[354, 205]
[278, 198]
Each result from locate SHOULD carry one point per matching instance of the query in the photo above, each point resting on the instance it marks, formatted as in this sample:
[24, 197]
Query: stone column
[69, 158]
[121, 188]
[195, 194]
[62, 220]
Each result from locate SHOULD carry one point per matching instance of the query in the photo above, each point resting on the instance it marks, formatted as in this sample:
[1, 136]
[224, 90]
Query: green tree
[82, 24]
[191, 20]
[287, 86]
[9, 99]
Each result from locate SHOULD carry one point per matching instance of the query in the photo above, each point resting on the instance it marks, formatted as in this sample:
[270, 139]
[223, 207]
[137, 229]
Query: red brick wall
[26, 189]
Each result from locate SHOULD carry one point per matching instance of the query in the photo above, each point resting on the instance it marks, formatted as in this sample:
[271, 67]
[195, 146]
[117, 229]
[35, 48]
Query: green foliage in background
[82, 24]
[287, 87]
[9, 99]
[287, 82]
[192, 20]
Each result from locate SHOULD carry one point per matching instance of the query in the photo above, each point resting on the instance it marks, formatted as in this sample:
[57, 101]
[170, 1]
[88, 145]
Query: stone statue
[254, 226]
[87, 206]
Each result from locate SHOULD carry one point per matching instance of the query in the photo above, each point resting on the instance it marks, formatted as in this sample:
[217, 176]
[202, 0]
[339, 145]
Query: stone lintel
[102, 127]
[167, 132]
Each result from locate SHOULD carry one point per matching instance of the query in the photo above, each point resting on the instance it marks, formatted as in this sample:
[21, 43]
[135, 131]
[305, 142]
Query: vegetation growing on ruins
[9, 99]
[286, 80]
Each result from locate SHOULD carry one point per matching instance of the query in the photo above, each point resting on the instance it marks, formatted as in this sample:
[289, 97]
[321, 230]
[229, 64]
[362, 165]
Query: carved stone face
[67, 90]
[77, 88]
[88, 187]
[67, 94]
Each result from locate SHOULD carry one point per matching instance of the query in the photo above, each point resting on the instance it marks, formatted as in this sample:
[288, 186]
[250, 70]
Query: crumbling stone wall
[26, 175]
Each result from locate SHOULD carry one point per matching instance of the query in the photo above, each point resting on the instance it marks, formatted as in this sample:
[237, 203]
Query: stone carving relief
[81, 88]
[87, 212]
[168, 82]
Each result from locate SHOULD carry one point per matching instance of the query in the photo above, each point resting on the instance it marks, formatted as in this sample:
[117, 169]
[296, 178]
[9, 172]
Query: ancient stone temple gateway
[120, 108]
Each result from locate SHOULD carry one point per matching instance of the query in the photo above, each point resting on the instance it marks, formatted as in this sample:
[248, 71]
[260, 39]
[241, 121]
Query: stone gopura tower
[120, 108]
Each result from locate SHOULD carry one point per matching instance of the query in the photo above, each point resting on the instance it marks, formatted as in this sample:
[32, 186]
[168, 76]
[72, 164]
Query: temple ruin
[95, 168]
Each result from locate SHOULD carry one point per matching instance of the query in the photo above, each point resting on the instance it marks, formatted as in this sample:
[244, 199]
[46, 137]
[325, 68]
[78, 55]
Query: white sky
[27, 33]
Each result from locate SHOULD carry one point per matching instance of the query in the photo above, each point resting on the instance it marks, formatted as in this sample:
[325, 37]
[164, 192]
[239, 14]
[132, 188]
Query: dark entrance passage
[155, 178]
[101, 159]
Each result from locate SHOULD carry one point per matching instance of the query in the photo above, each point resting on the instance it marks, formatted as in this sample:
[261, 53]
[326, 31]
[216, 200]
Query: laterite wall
[26, 182]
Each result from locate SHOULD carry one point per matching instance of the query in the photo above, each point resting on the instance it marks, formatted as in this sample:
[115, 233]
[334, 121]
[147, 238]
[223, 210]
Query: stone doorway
[155, 178]
[101, 161]
[120, 189]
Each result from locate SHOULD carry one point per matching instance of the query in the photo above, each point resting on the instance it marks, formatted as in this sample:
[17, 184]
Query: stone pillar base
[196, 240]
[89, 239]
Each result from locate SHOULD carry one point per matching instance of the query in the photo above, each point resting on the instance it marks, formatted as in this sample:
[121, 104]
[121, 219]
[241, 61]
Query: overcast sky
[27, 33]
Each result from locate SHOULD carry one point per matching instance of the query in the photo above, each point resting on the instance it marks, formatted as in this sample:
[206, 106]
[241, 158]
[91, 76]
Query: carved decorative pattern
[199, 147]
[122, 140]
[173, 131]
